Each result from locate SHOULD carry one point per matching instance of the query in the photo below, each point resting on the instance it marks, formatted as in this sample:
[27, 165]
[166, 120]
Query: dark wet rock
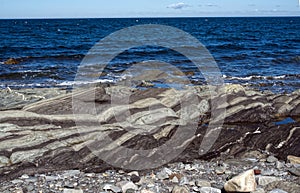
[134, 178]
[11, 61]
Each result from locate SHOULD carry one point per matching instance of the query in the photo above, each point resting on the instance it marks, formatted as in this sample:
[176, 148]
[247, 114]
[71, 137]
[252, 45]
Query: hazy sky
[145, 8]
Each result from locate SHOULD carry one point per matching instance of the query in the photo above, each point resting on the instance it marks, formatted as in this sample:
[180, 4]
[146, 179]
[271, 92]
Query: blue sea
[262, 52]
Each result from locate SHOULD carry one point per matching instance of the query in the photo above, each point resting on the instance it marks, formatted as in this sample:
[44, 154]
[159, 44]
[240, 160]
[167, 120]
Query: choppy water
[259, 52]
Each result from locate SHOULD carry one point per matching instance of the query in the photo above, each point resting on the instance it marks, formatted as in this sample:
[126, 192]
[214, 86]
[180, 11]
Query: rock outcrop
[95, 129]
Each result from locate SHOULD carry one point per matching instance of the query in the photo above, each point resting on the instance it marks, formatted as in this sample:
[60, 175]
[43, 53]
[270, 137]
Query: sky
[146, 8]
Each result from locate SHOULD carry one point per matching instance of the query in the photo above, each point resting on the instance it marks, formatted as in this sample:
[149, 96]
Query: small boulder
[244, 182]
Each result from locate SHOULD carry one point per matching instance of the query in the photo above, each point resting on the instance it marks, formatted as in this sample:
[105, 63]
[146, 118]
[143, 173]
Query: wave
[293, 59]
[282, 77]
[78, 83]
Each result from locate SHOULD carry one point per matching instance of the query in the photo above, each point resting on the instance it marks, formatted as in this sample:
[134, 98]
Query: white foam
[254, 77]
[71, 83]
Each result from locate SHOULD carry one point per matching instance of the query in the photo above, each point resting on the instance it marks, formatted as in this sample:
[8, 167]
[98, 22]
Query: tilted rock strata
[47, 136]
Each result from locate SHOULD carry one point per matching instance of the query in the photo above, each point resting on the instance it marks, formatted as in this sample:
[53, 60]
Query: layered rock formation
[94, 129]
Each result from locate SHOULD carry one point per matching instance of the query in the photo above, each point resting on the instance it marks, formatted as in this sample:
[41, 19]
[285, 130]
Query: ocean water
[258, 52]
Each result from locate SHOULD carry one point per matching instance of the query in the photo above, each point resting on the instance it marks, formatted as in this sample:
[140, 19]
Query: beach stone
[131, 173]
[18, 190]
[128, 186]
[277, 191]
[203, 183]
[272, 159]
[66, 190]
[164, 174]
[51, 178]
[146, 191]
[267, 172]
[180, 189]
[294, 171]
[70, 173]
[184, 181]
[244, 182]
[220, 170]
[265, 180]
[24, 176]
[280, 165]
[134, 178]
[293, 159]
[175, 180]
[209, 190]
[112, 188]
[289, 187]
[259, 190]
[16, 181]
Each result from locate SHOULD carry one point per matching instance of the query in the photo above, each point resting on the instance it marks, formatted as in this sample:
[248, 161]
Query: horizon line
[150, 17]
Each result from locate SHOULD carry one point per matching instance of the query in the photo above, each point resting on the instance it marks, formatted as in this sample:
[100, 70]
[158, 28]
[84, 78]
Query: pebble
[258, 190]
[72, 191]
[135, 178]
[146, 191]
[220, 170]
[209, 190]
[19, 190]
[272, 159]
[184, 181]
[112, 188]
[175, 180]
[24, 176]
[279, 165]
[180, 189]
[277, 191]
[133, 173]
[128, 186]
[164, 174]
[203, 183]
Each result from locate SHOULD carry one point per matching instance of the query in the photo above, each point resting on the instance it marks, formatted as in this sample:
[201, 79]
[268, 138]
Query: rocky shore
[255, 172]
[57, 140]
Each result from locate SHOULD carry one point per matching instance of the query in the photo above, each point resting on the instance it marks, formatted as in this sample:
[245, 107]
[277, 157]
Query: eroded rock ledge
[39, 132]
